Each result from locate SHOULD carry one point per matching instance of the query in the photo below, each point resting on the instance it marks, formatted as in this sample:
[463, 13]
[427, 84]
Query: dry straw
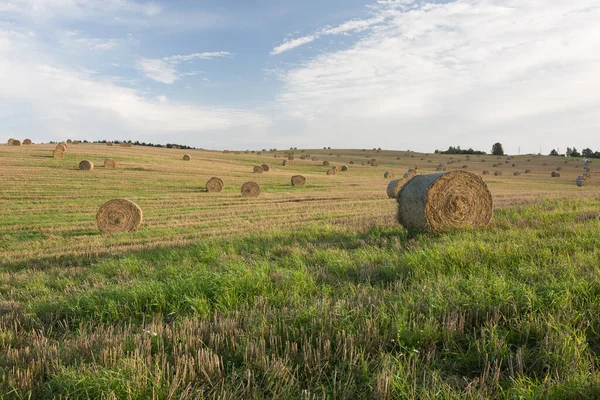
[86, 165]
[298, 180]
[258, 169]
[27, 141]
[443, 201]
[250, 189]
[265, 167]
[110, 163]
[214, 184]
[69, 141]
[119, 215]
[186, 157]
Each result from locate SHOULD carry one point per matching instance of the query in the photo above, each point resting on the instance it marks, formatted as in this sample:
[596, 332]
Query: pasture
[308, 291]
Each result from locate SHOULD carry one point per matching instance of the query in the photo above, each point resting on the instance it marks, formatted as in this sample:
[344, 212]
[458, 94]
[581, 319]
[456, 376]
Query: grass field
[310, 292]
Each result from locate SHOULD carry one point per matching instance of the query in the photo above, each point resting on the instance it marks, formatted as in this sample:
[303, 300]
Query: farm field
[303, 292]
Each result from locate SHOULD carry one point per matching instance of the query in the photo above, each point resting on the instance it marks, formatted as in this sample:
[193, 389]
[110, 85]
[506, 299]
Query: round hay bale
[559, 168]
[258, 169]
[290, 158]
[326, 163]
[123, 144]
[315, 158]
[497, 173]
[393, 188]
[335, 168]
[75, 141]
[544, 164]
[581, 181]
[226, 151]
[265, 167]
[465, 167]
[298, 180]
[374, 164]
[286, 162]
[69, 141]
[331, 171]
[485, 172]
[351, 162]
[86, 165]
[516, 173]
[109, 144]
[250, 189]
[303, 157]
[187, 157]
[388, 175]
[527, 171]
[58, 154]
[494, 165]
[10, 141]
[16, 142]
[276, 156]
[110, 163]
[27, 141]
[214, 184]
[555, 174]
[119, 215]
[514, 165]
[344, 168]
[443, 201]
[61, 147]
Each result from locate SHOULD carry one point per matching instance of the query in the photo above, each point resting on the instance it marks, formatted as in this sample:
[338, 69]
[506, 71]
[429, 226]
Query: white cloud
[458, 73]
[165, 70]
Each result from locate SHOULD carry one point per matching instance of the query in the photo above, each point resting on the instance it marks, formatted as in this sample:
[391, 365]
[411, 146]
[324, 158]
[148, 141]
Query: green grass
[510, 311]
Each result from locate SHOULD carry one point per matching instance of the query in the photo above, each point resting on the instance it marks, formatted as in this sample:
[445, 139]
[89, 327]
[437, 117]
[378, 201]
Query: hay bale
[374, 164]
[335, 168]
[110, 163]
[226, 151]
[290, 158]
[27, 141]
[443, 201]
[559, 168]
[75, 141]
[393, 188]
[286, 163]
[258, 169]
[123, 144]
[497, 173]
[484, 172]
[109, 144]
[326, 163]
[344, 168]
[58, 154]
[555, 174]
[10, 141]
[61, 147]
[516, 173]
[303, 157]
[187, 157]
[351, 162]
[276, 156]
[16, 142]
[298, 180]
[581, 181]
[250, 189]
[527, 171]
[69, 141]
[119, 215]
[265, 167]
[331, 171]
[388, 175]
[86, 165]
[315, 158]
[214, 184]
[514, 165]
[465, 166]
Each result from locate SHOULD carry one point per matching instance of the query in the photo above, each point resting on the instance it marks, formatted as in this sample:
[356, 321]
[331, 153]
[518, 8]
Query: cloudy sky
[396, 74]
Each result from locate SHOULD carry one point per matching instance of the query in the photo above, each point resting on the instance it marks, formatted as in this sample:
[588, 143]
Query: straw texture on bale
[326, 163]
[265, 167]
[27, 141]
[331, 171]
[555, 174]
[214, 184]
[443, 201]
[298, 180]
[119, 215]
[58, 154]
[110, 163]
[388, 175]
[250, 189]
[16, 142]
[186, 157]
[344, 168]
[395, 185]
[581, 181]
[86, 165]
[258, 169]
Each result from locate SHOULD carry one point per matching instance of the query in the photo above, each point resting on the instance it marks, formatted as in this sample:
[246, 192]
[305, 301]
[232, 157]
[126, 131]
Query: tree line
[572, 152]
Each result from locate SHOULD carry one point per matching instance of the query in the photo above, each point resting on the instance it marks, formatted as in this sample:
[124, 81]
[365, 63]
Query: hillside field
[304, 292]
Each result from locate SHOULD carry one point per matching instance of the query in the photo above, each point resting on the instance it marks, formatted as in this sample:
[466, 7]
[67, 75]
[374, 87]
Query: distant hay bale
[344, 168]
[110, 163]
[330, 154]
[258, 169]
[276, 156]
[388, 175]
[290, 158]
[265, 167]
[123, 144]
[465, 166]
[443, 201]
[331, 171]
[485, 172]
[109, 143]
[374, 164]
[16, 142]
[226, 152]
[514, 165]
[527, 171]
[214, 184]
[119, 215]
[326, 163]
[429, 161]
[298, 180]
[516, 173]
[286, 163]
[61, 147]
[250, 189]
[58, 154]
[187, 157]
[303, 157]
[494, 165]
[75, 141]
[351, 162]
[581, 181]
[69, 141]
[259, 153]
[27, 141]
[315, 158]
[544, 164]
[10, 141]
[86, 165]
[555, 174]
[497, 173]
[559, 168]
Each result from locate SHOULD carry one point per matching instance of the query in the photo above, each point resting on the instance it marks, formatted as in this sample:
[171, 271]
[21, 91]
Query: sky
[397, 74]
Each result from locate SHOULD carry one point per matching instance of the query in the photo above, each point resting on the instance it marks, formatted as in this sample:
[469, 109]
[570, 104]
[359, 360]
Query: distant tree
[497, 149]
[572, 152]
[554, 152]
[587, 152]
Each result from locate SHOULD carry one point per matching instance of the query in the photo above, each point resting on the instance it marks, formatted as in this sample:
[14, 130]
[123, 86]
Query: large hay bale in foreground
[187, 157]
[395, 185]
[119, 215]
[27, 141]
[298, 180]
[555, 174]
[258, 169]
[443, 201]
[16, 142]
[58, 154]
[214, 184]
[265, 167]
[250, 189]
[110, 163]
[86, 165]
[581, 181]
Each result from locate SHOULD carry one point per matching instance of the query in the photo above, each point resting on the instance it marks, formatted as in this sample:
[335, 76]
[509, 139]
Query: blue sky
[400, 74]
